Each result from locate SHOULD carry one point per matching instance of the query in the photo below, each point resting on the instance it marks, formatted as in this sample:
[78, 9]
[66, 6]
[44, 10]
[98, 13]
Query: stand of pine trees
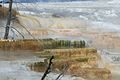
[58, 44]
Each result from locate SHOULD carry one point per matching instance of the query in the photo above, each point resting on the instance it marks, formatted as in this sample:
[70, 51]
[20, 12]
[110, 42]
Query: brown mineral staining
[82, 62]
[4, 12]
[20, 45]
[91, 73]
[77, 52]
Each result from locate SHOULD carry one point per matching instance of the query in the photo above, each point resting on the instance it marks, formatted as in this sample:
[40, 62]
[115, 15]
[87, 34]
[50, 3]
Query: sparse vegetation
[30, 44]
[82, 59]
[59, 44]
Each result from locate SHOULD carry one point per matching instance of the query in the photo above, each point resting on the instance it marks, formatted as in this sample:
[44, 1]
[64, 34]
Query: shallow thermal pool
[14, 66]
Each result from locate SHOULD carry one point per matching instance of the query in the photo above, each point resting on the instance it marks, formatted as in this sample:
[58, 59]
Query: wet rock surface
[14, 66]
[83, 65]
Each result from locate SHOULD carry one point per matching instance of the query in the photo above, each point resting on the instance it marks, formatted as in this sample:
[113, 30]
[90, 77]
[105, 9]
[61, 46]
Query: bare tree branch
[65, 68]
[48, 68]
[8, 20]
[19, 32]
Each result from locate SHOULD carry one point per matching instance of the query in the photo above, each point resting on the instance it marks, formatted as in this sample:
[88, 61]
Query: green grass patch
[85, 59]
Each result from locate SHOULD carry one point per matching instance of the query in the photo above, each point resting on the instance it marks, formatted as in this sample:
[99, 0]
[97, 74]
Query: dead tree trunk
[48, 70]
[8, 20]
